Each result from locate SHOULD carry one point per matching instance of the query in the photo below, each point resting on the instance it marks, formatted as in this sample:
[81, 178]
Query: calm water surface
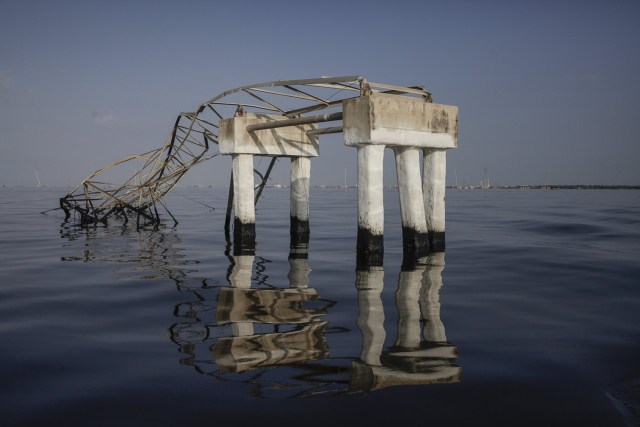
[530, 317]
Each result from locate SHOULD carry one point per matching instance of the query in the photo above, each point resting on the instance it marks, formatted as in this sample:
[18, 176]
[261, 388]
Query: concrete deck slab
[395, 120]
[284, 141]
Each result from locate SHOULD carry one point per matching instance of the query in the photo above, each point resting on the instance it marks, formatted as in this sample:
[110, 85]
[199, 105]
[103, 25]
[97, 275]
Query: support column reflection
[421, 354]
[369, 283]
[270, 326]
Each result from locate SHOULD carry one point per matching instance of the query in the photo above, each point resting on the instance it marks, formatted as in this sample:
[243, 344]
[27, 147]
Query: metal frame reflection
[153, 253]
[243, 307]
[276, 339]
[295, 362]
[271, 338]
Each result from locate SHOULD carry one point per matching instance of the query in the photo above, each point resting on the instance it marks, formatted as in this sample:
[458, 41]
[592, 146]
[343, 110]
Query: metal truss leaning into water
[155, 173]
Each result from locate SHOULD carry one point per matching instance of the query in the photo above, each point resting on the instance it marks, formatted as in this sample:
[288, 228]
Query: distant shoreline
[512, 187]
[549, 187]
[387, 187]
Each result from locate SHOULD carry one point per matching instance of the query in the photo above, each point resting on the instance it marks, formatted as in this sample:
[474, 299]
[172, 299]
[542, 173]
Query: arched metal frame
[159, 170]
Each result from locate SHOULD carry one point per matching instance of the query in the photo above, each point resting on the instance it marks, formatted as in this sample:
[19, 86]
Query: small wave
[565, 228]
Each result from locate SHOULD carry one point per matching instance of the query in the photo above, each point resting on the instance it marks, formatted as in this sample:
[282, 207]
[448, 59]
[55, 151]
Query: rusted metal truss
[155, 173]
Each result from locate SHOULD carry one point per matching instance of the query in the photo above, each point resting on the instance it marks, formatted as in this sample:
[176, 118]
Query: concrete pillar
[244, 222]
[415, 238]
[433, 187]
[370, 244]
[430, 299]
[299, 207]
[369, 283]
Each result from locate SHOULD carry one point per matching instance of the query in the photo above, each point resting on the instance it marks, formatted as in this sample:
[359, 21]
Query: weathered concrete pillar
[299, 207]
[370, 244]
[433, 187]
[244, 222]
[369, 283]
[414, 226]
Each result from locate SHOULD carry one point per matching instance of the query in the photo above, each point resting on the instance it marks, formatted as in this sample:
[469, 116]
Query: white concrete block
[395, 120]
[285, 141]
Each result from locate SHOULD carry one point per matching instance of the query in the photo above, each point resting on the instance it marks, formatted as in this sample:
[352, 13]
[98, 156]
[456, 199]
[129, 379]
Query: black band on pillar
[415, 242]
[244, 237]
[299, 232]
[436, 241]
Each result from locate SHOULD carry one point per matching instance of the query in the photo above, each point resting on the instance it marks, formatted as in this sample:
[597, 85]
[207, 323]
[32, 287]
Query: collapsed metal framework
[158, 171]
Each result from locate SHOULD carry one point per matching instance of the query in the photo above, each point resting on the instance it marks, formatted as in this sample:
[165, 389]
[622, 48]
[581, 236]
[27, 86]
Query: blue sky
[547, 91]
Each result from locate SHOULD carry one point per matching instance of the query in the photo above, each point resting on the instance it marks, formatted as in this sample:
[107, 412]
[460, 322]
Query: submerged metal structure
[156, 173]
[195, 134]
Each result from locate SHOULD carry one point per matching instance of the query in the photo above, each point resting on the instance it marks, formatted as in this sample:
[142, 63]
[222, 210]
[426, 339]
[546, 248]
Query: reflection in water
[421, 353]
[277, 340]
[303, 338]
[266, 336]
[155, 252]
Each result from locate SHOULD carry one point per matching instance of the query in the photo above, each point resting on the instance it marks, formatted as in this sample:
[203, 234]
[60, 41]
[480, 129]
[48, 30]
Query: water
[530, 317]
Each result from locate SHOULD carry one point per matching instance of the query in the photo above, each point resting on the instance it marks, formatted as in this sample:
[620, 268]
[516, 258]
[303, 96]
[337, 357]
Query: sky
[547, 91]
